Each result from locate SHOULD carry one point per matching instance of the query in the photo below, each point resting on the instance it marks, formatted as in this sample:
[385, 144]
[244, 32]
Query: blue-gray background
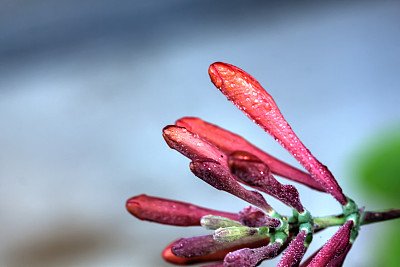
[86, 87]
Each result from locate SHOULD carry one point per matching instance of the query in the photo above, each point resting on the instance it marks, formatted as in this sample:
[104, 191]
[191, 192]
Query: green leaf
[377, 168]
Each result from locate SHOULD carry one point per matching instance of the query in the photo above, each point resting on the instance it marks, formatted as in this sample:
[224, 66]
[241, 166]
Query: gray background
[86, 87]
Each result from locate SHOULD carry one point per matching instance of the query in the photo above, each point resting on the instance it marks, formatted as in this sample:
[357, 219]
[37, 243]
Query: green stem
[328, 221]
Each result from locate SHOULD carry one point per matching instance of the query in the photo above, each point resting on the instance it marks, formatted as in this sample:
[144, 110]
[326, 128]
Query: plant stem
[327, 221]
[378, 216]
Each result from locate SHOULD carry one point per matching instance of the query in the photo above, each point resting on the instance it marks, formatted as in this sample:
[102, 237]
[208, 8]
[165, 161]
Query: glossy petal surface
[170, 212]
[248, 95]
[191, 145]
[229, 142]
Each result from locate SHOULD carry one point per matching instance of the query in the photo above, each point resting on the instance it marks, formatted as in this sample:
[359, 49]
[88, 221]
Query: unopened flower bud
[219, 177]
[247, 257]
[253, 217]
[213, 222]
[249, 96]
[233, 233]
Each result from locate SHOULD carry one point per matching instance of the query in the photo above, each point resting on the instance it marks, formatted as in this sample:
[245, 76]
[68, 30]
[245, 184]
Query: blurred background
[87, 86]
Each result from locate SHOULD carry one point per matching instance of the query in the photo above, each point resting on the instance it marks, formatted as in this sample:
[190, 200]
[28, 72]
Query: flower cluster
[225, 161]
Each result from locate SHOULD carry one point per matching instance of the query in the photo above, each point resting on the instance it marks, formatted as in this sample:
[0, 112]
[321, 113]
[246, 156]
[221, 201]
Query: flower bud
[256, 173]
[248, 95]
[247, 257]
[170, 212]
[229, 234]
[219, 177]
[253, 217]
[295, 252]
[213, 222]
[229, 142]
[335, 247]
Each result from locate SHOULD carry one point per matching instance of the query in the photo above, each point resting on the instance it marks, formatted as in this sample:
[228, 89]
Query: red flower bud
[229, 142]
[205, 245]
[256, 173]
[191, 145]
[248, 95]
[335, 248]
[247, 257]
[170, 212]
[219, 177]
[219, 255]
[253, 217]
[295, 252]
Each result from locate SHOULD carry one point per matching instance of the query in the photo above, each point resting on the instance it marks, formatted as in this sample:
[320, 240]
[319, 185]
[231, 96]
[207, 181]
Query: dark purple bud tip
[247, 257]
[253, 217]
[295, 252]
[257, 174]
[219, 177]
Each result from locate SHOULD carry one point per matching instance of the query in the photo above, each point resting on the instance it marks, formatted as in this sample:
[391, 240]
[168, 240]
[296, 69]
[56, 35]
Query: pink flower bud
[248, 95]
[229, 142]
[295, 252]
[253, 217]
[219, 177]
[335, 248]
[218, 255]
[191, 145]
[256, 173]
[247, 257]
[170, 212]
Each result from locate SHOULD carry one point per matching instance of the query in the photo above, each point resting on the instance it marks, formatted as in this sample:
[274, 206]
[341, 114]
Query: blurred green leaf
[378, 167]
[377, 173]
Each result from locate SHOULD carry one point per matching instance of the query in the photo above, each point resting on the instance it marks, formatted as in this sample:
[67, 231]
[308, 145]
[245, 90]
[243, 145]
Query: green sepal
[294, 218]
[353, 235]
[308, 239]
[304, 217]
[350, 207]
[278, 236]
[284, 227]
[307, 226]
[355, 217]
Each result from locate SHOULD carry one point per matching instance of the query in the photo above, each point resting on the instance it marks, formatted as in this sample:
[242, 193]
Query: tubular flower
[226, 161]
